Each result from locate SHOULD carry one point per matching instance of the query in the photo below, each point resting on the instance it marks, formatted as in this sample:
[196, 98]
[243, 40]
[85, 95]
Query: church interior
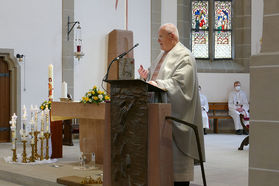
[58, 52]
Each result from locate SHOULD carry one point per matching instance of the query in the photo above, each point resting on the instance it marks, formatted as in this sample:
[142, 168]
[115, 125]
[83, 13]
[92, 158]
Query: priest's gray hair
[172, 29]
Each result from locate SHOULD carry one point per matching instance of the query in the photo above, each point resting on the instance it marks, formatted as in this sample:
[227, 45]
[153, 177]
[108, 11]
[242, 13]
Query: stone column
[264, 107]
[68, 45]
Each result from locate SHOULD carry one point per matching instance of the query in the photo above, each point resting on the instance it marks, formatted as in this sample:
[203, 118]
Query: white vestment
[237, 100]
[204, 107]
[178, 76]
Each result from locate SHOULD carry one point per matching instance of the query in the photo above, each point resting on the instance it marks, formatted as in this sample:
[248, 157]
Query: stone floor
[225, 165]
[45, 174]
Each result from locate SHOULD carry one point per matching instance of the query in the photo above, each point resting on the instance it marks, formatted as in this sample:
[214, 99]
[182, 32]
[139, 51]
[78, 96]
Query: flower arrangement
[45, 104]
[95, 96]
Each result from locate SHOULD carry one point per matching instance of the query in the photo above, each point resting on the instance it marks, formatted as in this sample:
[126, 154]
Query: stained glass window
[200, 44]
[200, 15]
[223, 44]
[200, 29]
[222, 34]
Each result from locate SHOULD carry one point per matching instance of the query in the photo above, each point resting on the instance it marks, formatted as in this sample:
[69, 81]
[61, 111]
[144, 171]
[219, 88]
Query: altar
[91, 126]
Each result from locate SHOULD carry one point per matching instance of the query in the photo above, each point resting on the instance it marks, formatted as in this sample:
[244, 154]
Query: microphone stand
[116, 59]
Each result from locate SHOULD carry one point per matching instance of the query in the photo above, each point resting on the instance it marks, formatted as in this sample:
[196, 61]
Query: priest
[175, 70]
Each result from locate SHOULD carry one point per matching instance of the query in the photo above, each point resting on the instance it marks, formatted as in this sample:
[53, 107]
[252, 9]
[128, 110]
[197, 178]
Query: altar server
[238, 104]
[204, 107]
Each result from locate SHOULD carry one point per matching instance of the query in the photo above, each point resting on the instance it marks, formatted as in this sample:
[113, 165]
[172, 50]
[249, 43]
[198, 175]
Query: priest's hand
[142, 72]
[153, 83]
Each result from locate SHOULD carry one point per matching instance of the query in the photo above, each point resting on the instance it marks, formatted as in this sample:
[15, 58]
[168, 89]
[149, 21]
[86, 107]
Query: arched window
[212, 23]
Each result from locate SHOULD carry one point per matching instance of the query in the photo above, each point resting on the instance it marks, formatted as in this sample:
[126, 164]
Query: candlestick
[24, 155]
[32, 157]
[42, 148]
[47, 135]
[50, 82]
[14, 155]
[36, 144]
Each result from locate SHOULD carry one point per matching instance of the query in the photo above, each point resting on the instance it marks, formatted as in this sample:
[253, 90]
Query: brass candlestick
[24, 158]
[32, 157]
[42, 148]
[14, 158]
[14, 155]
[47, 135]
[36, 144]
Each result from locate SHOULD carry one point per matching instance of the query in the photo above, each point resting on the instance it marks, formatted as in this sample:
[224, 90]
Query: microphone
[116, 59]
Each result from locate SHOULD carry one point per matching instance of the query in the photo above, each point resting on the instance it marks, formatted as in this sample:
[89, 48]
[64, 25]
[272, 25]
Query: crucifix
[126, 10]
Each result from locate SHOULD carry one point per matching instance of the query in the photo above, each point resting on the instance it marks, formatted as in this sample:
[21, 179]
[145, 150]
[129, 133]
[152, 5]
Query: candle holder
[47, 136]
[42, 148]
[36, 144]
[14, 158]
[32, 157]
[24, 155]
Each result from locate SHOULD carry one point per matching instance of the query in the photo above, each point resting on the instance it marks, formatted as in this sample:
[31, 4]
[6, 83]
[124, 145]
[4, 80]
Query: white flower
[100, 97]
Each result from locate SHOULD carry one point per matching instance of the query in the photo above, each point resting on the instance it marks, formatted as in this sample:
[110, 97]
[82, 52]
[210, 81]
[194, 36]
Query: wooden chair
[245, 141]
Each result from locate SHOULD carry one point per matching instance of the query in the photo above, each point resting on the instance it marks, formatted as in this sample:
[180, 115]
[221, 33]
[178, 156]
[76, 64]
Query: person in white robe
[175, 70]
[238, 104]
[205, 108]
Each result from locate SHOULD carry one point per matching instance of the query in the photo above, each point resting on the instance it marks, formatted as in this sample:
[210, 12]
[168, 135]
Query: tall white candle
[32, 111]
[36, 109]
[32, 131]
[47, 119]
[50, 82]
[24, 109]
[13, 129]
[42, 123]
[64, 90]
[24, 118]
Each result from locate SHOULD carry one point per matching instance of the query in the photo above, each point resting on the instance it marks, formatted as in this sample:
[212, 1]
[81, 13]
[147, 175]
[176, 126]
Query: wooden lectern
[138, 139]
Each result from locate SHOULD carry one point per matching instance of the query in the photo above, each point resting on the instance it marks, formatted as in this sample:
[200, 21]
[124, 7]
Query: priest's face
[165, 40]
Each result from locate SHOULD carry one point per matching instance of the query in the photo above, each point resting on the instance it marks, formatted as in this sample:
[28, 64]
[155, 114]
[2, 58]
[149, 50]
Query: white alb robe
[178, 76]
[236, 100]
[204, 107]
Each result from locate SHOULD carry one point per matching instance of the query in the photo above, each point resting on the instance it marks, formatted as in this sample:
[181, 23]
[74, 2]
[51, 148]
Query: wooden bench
[218, 110]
